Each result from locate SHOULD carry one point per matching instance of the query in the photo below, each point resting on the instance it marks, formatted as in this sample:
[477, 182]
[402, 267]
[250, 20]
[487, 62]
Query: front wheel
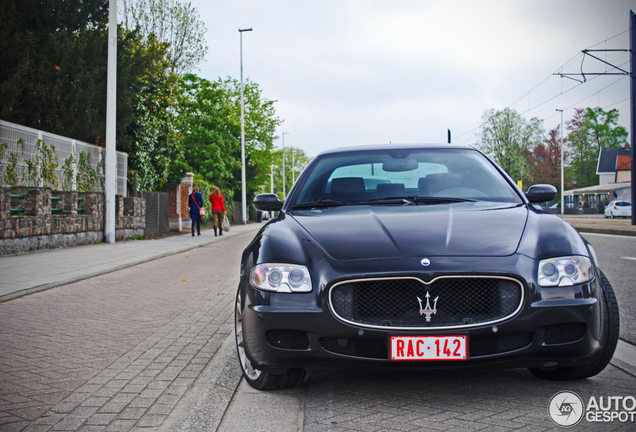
[611, 327]
[256, 378]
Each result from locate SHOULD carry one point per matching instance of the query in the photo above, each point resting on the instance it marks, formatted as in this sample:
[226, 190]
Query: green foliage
[11, 176]
[88, 178]
[11, 171]
[47, 161]
[210, 131]
[173, 22]
[508, 138]
[154, 143]
[295, 162]
[68, 173]
[176, 171]
[3, 147]
[591, 130]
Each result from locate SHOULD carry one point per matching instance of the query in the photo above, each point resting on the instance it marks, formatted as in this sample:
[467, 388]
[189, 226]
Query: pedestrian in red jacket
[218, 209]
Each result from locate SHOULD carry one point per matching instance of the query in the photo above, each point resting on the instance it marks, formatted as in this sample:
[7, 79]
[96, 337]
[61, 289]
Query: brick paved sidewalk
[117, 351]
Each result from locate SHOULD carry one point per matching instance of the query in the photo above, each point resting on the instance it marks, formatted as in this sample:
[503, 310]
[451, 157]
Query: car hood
[372, 232]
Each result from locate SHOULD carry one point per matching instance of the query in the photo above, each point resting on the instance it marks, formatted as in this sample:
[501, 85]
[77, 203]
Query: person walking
[218, 209]
[195, 201]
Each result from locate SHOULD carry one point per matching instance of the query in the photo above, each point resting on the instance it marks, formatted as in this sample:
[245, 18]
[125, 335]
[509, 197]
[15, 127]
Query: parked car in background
[443, 264]
[618, 209]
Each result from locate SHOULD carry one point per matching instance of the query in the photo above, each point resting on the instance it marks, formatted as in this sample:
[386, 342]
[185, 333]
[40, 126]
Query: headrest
[386, 190]
[348, 188]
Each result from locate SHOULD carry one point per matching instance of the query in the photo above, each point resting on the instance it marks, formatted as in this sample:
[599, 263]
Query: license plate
[406, 348]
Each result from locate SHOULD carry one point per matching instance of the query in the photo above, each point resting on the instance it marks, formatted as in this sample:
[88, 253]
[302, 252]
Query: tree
[210, 130]
[174, 22]
[508, 138]
[260, 133]
[545, 160]
[591, 130]
[295, 162]
[153, 140]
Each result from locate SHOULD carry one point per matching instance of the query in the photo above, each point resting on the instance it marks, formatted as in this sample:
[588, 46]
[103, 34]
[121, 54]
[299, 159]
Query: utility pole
[243, 186]
[110, 175]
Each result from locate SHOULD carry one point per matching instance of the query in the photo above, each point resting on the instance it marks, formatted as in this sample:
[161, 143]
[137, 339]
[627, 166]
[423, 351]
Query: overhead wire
[567, 63]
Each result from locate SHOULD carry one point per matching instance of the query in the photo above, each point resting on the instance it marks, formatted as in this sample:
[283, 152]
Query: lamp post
[284, 190]
[271, 174]
[562, 168]
[243, 191]
[293, 166]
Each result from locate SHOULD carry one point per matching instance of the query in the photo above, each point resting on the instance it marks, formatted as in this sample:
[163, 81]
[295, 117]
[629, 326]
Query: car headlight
[283, 278]
[565, 271]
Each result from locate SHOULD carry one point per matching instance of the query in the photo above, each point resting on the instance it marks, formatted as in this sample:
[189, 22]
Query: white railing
[11, 133]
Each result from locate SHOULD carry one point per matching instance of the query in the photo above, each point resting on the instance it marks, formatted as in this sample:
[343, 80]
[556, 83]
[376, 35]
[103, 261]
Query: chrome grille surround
[514, 291]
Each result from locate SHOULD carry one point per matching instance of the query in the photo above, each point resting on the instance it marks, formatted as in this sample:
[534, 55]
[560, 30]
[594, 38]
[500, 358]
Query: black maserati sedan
[419, 257]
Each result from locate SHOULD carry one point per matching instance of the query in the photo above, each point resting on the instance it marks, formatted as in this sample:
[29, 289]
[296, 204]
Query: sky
[358, 72]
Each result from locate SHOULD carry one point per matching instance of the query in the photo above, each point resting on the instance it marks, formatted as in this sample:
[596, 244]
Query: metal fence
[11, 133]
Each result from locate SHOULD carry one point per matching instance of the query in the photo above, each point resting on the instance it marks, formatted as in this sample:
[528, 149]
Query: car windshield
[402, 176]
[623, 204]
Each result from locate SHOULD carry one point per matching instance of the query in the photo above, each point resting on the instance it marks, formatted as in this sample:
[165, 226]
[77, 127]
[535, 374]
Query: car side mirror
[267, 202]
[541, 193]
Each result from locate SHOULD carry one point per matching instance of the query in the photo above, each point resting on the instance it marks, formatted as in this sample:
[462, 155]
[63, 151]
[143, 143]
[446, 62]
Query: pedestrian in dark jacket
[195, 201]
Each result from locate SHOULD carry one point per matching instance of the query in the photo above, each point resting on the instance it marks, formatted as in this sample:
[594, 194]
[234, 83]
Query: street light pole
[284, 190]
[293, 166]
[562, 168]
[243, 191]
[110, 166]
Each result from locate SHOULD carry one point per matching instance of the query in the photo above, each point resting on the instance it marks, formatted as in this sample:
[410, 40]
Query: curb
[44, 287]
[206, 402]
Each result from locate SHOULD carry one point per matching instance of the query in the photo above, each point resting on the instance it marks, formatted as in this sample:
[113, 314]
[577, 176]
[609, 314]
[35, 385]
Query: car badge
[428, 311]
[425, 262]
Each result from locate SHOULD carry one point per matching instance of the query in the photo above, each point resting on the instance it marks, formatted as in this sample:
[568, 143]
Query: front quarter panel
[548, 236]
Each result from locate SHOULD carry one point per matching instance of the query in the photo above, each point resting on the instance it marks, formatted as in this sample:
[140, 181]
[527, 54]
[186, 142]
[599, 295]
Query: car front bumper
[283, 331]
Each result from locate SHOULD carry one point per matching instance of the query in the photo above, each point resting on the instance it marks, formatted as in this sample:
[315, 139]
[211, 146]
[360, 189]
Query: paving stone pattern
[116, 352]
[472, 400]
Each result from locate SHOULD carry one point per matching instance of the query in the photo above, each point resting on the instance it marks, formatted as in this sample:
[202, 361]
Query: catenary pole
[110, 187]
[632, 81]
[243, 186]
[562, 166]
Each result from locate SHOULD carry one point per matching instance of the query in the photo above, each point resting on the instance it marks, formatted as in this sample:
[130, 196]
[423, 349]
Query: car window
[623, 204]
[360, 176]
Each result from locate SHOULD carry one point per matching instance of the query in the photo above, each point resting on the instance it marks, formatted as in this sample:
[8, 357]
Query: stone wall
[38, 218]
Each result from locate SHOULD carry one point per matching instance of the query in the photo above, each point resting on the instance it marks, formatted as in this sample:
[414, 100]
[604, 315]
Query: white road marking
[607, 235]
[629, 258]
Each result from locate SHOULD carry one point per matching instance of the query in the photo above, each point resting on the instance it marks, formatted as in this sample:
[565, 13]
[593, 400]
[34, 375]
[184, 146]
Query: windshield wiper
[406, 200]
[439, 200]
[318, 204]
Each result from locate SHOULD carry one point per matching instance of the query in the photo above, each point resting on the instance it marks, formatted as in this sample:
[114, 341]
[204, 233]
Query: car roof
[397, 147]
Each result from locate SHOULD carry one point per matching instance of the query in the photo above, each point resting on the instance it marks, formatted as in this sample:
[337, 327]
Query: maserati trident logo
[428, 311]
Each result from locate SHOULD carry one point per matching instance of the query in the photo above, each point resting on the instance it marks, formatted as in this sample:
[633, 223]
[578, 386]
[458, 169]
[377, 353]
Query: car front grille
[408, 302]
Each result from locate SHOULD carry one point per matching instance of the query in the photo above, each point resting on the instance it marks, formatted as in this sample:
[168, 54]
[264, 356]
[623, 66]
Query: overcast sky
[354, 72]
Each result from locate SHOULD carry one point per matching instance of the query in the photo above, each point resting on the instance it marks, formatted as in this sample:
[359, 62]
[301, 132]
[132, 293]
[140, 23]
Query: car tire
[256, 378]
[611, 327]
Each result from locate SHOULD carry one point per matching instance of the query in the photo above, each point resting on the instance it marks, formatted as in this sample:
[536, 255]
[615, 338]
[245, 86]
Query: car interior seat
[348, 189]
